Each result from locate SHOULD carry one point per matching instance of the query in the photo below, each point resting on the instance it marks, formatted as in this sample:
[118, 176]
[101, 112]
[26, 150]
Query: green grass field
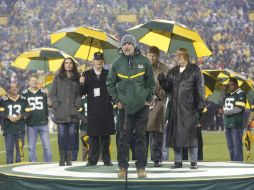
[215, 148]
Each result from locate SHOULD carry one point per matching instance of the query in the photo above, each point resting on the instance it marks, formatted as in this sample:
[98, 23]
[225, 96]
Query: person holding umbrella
[66, 103]
[100, 118]
[131, 84]
[186, 84]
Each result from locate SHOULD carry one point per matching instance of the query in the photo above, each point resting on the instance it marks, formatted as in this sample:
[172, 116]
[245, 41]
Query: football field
[215, 148]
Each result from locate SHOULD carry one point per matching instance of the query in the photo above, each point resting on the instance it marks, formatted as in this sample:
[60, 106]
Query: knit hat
[128, 38]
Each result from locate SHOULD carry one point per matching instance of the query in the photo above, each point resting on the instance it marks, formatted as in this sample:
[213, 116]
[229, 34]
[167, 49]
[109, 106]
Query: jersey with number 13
[13, 107]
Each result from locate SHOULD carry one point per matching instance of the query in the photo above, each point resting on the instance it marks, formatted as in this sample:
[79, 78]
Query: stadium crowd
[224, 25]
[228, 34]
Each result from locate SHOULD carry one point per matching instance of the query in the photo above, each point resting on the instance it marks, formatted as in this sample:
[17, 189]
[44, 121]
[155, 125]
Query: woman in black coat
[186, 84]
[100, 117]
[66, 102]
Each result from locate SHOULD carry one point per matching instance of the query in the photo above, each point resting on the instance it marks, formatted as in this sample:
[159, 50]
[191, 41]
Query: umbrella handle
[89, 52]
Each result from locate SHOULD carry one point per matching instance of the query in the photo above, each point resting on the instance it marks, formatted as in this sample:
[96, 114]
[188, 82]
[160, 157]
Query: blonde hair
[185, 52]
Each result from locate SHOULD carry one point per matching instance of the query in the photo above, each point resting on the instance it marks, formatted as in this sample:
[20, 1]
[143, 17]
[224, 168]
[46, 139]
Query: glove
[161, 77]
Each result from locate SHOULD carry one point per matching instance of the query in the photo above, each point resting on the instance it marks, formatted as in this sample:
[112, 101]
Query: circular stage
[209, 176]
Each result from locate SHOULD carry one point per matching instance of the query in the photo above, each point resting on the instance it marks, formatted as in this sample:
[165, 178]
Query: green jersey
[37, 101]
[13, 107]
[234, 101]
[83, 126]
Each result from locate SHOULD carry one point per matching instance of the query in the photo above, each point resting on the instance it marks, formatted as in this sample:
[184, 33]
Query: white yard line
[1, 152]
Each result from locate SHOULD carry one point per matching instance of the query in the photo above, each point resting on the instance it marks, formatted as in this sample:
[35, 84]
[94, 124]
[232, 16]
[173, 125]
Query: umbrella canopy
[46, 59]
[82, 42]
[169, 36]
[210, 83]
[223, 77]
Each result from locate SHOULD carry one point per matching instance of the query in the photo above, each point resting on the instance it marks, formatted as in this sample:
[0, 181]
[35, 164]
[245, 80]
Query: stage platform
[49, 176]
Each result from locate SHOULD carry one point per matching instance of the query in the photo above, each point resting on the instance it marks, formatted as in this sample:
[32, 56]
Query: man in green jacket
[131, 84]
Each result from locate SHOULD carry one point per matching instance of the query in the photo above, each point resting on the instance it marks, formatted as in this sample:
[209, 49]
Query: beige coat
[156, 114]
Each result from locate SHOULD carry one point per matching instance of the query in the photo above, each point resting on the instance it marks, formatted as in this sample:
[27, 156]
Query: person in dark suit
[100, 117]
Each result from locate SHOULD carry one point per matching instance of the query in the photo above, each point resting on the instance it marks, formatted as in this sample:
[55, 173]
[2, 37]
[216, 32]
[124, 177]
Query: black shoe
[91, 164]
[108, 164]
[177, 165]
[61, 163]
[157, 164]
[194, 165]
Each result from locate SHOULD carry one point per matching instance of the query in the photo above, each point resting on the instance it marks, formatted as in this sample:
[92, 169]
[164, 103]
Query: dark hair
[233, 80]
[62, 71]
[154, 49]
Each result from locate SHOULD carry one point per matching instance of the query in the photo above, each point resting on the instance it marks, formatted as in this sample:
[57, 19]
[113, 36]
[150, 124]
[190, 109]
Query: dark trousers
[132, 143]
[155, 139]
[200, 146]
[11, 141]
[234, 142]
[99, 144]
[66, 136]
[127, 124]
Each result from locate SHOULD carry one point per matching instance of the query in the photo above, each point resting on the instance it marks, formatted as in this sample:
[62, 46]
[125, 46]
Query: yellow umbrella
[169, 36]
[47, 83]
[210, 83]
[82, 42]
[223, 76]
[46, 59]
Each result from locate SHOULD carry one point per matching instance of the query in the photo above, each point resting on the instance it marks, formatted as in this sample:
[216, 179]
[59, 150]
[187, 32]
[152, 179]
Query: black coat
[65, 99]
[188, 98]
[100, 117]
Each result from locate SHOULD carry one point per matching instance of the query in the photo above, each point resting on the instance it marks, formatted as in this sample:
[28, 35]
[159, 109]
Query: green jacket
[131, 83]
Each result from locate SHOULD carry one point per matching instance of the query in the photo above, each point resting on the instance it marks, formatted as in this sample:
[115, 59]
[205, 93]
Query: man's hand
[82, 80]
[147, 103]
[221, 111]
[161, 77]
[12, 118]
[18, 117]
[119, 105]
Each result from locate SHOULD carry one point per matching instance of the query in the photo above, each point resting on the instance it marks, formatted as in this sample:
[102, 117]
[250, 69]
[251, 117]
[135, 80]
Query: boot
[122, 172]
[62, 158]
[177, 165]
[194, 165]
[141, 172]
[68, 158]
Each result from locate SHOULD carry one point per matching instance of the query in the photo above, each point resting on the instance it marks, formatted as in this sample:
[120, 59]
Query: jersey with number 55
[232, 100]
[37, 101]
